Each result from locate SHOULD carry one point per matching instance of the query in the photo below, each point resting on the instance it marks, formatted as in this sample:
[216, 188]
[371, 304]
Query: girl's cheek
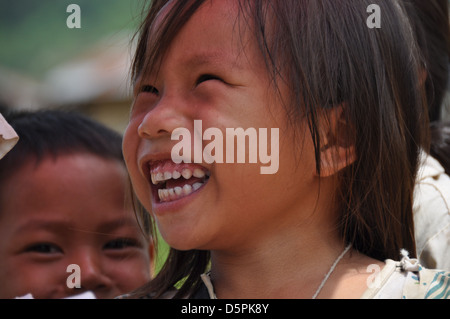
[130, 142]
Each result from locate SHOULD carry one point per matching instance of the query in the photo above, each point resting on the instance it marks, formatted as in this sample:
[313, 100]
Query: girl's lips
[171, 182]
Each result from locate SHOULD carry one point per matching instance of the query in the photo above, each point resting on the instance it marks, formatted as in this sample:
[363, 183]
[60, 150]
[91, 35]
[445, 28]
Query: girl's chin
[188, 232]
[180, 242]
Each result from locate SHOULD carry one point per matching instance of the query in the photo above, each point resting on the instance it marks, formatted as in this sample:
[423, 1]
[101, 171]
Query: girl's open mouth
[171, 182]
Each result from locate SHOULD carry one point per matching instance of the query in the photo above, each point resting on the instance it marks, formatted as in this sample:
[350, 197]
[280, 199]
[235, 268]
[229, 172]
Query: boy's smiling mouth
[171, 182]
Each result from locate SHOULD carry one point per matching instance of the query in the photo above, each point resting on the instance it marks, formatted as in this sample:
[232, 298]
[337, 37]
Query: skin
[277, 227]
[64, 211]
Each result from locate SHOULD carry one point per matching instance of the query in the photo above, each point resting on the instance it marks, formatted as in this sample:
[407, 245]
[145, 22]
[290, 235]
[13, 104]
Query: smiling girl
[350, 116]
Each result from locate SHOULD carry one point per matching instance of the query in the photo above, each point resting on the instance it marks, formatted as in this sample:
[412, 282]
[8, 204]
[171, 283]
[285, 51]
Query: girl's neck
[289, 256]
[279, 267]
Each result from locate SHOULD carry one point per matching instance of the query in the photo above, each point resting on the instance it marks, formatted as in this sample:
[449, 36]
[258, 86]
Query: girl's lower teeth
[171, 194]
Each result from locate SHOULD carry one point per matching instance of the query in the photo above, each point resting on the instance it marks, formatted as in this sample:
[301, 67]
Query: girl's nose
[163, 119]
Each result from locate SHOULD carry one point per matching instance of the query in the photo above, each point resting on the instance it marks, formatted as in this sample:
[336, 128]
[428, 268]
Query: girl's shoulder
[407, 279]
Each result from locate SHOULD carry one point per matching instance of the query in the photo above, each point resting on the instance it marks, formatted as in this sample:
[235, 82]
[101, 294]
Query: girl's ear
[338, 140]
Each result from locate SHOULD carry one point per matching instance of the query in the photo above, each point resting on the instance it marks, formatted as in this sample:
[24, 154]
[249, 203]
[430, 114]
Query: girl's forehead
[215, 29]
[213, 34]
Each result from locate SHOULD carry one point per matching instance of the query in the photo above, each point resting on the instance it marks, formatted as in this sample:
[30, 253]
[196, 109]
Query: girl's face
[214, 73]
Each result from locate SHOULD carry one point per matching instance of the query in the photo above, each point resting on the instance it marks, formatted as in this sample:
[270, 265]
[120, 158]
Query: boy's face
[69, 211]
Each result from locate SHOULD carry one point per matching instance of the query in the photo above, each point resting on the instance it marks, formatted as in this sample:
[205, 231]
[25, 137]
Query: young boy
[65, 225]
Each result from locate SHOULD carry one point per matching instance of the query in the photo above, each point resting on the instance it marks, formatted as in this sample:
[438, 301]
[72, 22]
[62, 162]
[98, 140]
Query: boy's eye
[121, 243]
[44, 248]
[149, 89]
[207, 77]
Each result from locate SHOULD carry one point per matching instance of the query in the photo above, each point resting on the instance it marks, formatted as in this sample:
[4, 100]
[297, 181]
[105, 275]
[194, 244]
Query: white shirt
[432, 214]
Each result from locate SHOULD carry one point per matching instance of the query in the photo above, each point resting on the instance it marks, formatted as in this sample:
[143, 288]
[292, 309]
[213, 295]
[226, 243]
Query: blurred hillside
[34, 35]
[43, 63]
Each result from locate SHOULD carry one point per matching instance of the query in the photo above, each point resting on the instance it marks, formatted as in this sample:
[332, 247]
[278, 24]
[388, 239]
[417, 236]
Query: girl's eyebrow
[213, 58]
[198, 59]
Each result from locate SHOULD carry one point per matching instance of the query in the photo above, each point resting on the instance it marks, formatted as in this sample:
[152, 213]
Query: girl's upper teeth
[161, 177]
[176, 175]
[186, 173]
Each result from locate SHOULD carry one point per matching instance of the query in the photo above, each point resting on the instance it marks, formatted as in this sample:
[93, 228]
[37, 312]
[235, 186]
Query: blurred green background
[34, 35]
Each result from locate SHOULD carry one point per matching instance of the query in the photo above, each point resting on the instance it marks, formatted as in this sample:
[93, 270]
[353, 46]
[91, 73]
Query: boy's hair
[55, 133]
[327, 54]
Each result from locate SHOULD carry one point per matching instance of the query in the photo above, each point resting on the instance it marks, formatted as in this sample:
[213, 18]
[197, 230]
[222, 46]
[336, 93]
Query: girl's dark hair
[440, 147]
[430, 21]
[328, 56]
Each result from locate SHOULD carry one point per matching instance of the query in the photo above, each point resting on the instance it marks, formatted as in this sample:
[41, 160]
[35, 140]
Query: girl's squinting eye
[207, 77]
[149, 89]
[44, 248]
[121, 243]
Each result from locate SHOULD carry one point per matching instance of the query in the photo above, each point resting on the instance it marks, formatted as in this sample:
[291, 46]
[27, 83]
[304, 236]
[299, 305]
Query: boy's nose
[92, 272]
